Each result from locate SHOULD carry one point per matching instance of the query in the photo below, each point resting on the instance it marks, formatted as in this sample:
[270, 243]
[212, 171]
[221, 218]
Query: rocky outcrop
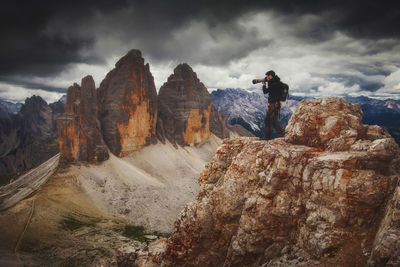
[386, 247]
[29, 137]
[79, 130]
[315, 197]
[184, 108]
[128, 105]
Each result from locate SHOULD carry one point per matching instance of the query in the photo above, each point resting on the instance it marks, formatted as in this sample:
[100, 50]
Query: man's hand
[264, 84]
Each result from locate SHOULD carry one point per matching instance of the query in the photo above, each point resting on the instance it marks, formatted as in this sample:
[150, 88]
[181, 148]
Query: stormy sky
[320, 48]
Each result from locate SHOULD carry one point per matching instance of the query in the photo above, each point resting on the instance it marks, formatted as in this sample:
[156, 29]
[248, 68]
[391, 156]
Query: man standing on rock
[274, 104]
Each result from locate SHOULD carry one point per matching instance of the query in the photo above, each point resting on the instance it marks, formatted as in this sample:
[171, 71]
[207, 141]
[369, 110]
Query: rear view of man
[274, 105]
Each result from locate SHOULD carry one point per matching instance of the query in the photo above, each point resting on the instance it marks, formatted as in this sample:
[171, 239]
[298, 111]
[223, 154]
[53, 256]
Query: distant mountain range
[248, 109]
[28, 134]
[8, 108]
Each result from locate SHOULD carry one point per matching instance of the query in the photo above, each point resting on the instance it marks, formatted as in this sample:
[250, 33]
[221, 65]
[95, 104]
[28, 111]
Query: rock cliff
[130, 115]
[79, 131]
[186, 113]
[29, 137]
[184, 108]
[128, 105]
[322, 195]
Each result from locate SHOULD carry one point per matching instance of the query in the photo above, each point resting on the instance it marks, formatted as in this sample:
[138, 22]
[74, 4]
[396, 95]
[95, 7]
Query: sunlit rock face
[332, 123]
[128, 105]
[79, 131]
[184, 108]
[325, 194]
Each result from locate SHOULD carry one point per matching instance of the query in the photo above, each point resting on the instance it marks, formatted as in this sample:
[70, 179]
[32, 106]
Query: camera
[259, 80]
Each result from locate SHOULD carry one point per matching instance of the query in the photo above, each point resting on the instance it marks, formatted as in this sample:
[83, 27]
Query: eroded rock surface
[184, 108]
[29, 137]
[79, 131]
[128, 105]
[315, 197]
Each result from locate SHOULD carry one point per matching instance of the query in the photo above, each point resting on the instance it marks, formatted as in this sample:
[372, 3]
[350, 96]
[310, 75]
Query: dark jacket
[273, 90]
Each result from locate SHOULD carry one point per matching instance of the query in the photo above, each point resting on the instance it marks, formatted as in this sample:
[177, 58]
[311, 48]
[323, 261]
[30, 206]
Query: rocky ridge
[317, 196]
[29, 137]
[132, 116]
[79, 130]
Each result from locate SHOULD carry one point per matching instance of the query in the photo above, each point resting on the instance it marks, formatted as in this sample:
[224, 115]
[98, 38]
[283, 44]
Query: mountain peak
[184, 108]
[131, 57]
[183, 67]
[185, 72]
[35, 100]
[88, 82]
[134, 53]
[128, 105]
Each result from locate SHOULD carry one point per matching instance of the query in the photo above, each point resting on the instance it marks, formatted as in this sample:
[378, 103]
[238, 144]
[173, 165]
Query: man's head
[270, 75]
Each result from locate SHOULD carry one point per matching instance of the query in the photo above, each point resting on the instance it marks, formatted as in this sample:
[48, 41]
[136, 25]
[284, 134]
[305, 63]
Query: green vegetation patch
[138, 233]
[73, 224]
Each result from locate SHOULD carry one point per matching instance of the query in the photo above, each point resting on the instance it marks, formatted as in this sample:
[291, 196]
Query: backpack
[284, 93]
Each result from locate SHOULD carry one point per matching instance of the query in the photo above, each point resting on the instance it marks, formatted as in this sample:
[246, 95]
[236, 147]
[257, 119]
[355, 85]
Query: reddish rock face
[128, 105]
[79, 130]
[337, 124]
[315, 197]
[184, 108]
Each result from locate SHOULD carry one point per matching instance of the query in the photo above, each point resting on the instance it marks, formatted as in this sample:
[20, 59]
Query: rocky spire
[79, 131]
[38, 122]
[128, 105]
[184, 108]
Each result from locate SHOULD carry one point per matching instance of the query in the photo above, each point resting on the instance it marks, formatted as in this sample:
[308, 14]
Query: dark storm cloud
[350, 80]
[25, 83]
[41, 38]
[25, 47]
[374, 69]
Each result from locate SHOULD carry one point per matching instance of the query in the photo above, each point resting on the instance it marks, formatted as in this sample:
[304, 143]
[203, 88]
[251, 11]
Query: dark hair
[271, 72]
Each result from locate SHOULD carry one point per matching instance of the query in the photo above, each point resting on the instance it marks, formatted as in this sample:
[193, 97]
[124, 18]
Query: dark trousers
[273, 118]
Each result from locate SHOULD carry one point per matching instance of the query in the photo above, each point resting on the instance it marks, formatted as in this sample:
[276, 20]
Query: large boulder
[330, 123]
[315, 197]
[79, 131]
[128, 105]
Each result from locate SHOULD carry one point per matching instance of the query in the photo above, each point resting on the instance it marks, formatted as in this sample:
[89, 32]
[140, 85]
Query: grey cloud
[44, 38]
[372, 69]
[15, 81]
[350, 80]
